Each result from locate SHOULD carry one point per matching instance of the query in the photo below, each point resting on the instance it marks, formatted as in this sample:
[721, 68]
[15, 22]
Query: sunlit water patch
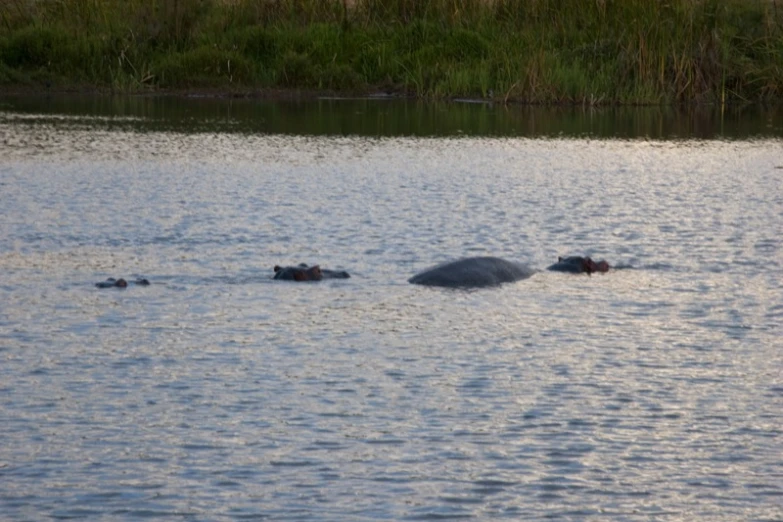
[652, 392]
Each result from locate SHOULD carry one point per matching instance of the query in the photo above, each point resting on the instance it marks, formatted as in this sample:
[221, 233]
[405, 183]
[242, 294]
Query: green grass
[533, 51]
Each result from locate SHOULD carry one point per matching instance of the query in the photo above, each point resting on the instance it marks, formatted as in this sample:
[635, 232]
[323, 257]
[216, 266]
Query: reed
[534, 51]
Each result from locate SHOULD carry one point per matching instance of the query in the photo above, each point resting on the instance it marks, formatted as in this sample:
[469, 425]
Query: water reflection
[394, 117]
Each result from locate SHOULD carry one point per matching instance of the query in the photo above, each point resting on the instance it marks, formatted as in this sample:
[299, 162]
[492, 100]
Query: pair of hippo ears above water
[302, 272]
[121, 283]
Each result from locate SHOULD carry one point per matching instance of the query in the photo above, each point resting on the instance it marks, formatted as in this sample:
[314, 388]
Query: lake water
[216, 393]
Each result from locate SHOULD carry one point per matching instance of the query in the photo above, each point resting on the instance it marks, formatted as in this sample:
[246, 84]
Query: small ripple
[325, 445]
[201, 447]
[390, 441]
[495, 483]
[340, 414]
[776, 390]
[227, 483]
[441, 514]
[710, 483]
[293, 463]
[462, 499]
[153, 513]
[75, 513]
[764, 489]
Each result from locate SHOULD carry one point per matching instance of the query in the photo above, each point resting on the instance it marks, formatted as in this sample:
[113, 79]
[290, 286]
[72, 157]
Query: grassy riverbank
[536, 51]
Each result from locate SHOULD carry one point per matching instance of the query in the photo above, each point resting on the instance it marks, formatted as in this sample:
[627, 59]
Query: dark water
[653, 393]
[396, 118]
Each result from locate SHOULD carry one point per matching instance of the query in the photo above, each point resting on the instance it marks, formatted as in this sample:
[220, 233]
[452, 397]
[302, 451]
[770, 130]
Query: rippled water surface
[216, 393]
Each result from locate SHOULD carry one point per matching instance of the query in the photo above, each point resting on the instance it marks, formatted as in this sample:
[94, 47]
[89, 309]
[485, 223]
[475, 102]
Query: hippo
[473, 272]
[579, 265]
[302, 272]
[121, 283]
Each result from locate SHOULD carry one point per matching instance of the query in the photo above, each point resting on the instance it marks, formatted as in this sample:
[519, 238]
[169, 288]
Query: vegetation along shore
[530, 51]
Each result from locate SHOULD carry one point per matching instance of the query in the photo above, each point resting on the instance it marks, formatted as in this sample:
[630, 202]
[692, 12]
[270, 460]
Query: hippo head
[301, 272]
[579, 265]
[591, 266]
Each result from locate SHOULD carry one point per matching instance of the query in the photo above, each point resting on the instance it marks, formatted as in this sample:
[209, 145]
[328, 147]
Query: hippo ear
[559, 258]
[277, 268]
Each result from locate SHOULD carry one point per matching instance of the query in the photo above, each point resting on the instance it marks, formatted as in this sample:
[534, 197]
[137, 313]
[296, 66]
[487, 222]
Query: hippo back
[472, 272]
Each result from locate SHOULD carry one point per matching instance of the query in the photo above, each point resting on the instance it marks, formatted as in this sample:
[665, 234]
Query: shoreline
[306, 95]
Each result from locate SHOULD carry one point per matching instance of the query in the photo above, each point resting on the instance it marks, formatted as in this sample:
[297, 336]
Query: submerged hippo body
[302, 272]
[579, 265]
[473, 272]
[121, 283]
